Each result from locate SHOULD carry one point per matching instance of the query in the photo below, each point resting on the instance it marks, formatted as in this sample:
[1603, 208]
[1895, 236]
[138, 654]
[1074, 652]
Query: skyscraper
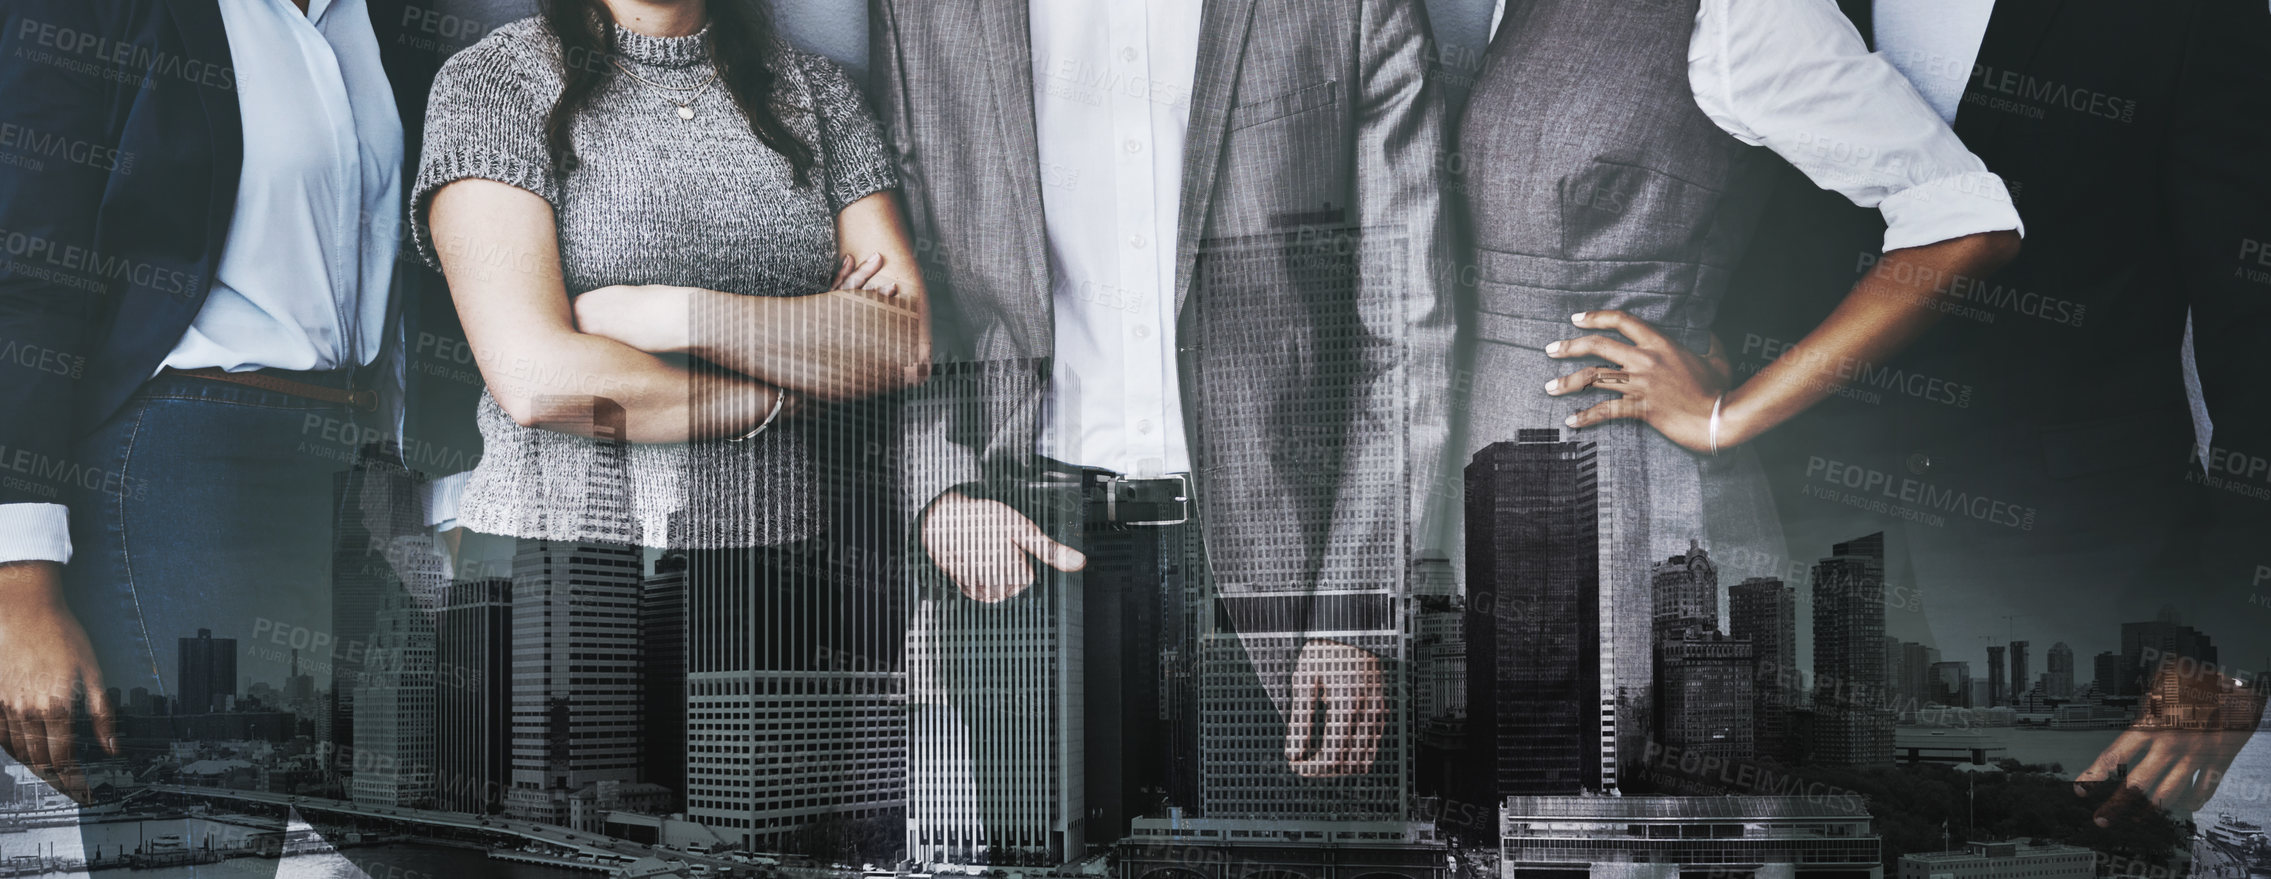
[1951, 684]
[208, 673]
[2144, 643]
[1764, 611]
[1535, 705]
[2060, 683]
[1704, 703]
[1853, 726]
[1998, 691]
[374, 502]
[662, 675]
[2020, 680]
[394, 708]
[2108, 672]
[576, 704]
[473, 696]
[1686, 589]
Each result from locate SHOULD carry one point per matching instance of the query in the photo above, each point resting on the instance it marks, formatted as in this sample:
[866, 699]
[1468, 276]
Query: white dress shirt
[1795, 77]
[302, 282]
[1934, 43]
[1111, 104]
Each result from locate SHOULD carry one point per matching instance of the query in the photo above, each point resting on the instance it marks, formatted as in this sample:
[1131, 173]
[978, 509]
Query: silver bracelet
[780, 399]
[1715, 405]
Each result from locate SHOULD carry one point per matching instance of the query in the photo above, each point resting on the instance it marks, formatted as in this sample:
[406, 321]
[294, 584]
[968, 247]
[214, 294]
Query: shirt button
[1142, 331]
[1128, 54]
[1137, 241]
[1133, 146]
[1144, 427]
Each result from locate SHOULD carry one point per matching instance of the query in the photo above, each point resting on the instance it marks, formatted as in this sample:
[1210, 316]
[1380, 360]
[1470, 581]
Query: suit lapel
[2015, 36]
[206, 38]
[1007, 36]
[1222, 48]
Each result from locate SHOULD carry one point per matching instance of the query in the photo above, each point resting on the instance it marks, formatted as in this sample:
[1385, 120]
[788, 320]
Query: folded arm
[499, 249]
[866, 337]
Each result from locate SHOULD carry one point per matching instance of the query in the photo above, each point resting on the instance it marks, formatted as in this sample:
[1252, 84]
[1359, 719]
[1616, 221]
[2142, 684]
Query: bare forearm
[663, 401]
[836, 345]
[1888, 309]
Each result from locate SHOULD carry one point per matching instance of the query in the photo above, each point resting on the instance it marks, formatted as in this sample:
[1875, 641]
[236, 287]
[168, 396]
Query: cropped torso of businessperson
[1181, 258]
[2133, 137]
[1613, 174]
[202, 201]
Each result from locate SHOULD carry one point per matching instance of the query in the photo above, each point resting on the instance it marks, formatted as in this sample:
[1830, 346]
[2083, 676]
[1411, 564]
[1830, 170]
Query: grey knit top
[655, 199]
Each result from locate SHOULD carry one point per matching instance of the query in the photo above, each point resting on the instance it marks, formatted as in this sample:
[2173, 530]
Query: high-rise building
[1686, 590]
[1703, 701]
[2144, 644]
[995, 711]
[2060, 683]
[662, 675]
[2109, 672]
[374, 502]
[1998, 691]
[1951, 684]
[395, 744]
[1439, 642]
[1853, 723]
[576, 705]
[473, 696]
[1535, 705]
[1764, 611]
[795, 695]
[1358, 596]
[2020, 679]
[208, 673]
[1915, 678]
[1802, 837]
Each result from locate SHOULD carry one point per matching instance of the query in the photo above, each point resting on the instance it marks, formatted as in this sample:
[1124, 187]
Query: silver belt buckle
[1112, 500]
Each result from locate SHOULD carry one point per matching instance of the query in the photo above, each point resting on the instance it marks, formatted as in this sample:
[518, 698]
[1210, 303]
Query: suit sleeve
[937, 453]
[54, 132]
[2219, 217]
[1399, 425]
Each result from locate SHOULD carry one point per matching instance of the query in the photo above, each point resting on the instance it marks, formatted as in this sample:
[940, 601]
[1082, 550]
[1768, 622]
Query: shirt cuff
[35, 533]
[442, 497]
[1948, 208]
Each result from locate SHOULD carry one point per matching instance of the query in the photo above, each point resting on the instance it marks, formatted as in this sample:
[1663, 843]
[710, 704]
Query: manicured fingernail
[1571, 421]
[1577, 318]
[1554, 385]
[1553, 347]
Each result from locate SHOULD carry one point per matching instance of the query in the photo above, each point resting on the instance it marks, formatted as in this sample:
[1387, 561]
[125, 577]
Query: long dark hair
[741, 45]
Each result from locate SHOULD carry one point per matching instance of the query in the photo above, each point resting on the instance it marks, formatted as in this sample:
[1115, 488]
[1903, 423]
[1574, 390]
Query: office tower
[995, 713]
[2109, 672]
[1951, 684]
[1915, 678]
[1764, 611]
[662, 673]
[576, 706]
[1686, 589]
[1808, 837]
[1354, 504]
[1998, 692]
[1704, 701]
[208, 673]
[299, 690]
[376, 502]
[1854, 728]
[395, 745]
[795, 696]
[473, 689]
[1439, 641]
[1534, 700]
[2145, 644]
[2019, 677]
[2060, 683]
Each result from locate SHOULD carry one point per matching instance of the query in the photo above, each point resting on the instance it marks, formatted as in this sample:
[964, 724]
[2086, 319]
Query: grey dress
[1595, 181]
[656, 199]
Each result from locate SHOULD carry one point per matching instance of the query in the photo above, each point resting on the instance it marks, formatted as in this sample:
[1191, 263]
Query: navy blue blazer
[120, 149]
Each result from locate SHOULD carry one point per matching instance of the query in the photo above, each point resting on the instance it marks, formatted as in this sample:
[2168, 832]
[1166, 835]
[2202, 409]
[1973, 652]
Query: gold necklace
[685, 107]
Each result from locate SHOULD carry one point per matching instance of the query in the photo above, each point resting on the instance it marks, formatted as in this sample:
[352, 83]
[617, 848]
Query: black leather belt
[1110, 500]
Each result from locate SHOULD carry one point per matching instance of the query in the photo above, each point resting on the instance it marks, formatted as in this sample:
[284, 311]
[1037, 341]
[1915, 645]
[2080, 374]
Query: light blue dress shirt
[304, 278]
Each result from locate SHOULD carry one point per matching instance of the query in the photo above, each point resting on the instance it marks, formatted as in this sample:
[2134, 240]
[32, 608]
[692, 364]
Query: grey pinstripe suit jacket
[1314, 326]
